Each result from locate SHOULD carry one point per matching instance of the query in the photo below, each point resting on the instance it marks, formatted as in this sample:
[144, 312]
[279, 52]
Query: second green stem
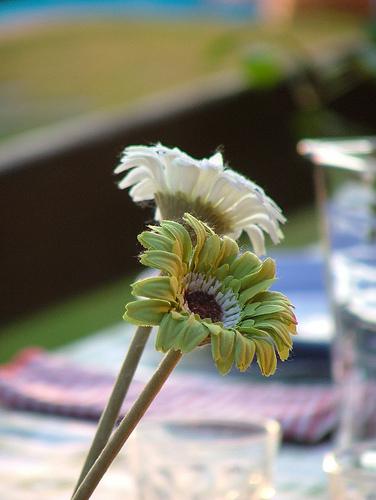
[111, 412]
[127, 425]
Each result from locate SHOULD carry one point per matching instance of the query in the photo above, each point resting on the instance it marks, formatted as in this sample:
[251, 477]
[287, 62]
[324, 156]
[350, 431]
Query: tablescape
[345, 174]
[208, 292]
[40, 453]
[39, 381]
[209, 459]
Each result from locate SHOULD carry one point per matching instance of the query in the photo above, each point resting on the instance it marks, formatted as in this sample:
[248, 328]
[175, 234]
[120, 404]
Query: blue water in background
[28, 10]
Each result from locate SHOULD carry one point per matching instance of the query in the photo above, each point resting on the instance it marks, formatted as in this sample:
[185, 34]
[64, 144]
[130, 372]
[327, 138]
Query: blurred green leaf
[321, 122]
[263, 68]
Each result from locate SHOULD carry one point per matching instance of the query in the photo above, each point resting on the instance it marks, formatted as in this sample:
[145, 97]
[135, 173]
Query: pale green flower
[209, 292]
[228, 202]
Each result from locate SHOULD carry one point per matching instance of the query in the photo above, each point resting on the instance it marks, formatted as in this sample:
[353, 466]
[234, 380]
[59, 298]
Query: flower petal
[154, 241]
[179, 332]
[144, 190]
[225, 365]
[169, 331]
[266, 358]
[229, 202]
[244, 352]
[194, 334]
[148, 312]
[250, 292]
[181, 235]
[276, 328]
[209, 173]
[216, 159]
[165, 261]
[265, 271]
[209, 253]
[222, 272]
[257, 239]
[223, 344]
[201, 231]
[160, 287]
[182, 175]
[135, 175]
[244, 265]
[229, 251]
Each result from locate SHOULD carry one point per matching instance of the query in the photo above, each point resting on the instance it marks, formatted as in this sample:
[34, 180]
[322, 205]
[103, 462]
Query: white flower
[207, 189]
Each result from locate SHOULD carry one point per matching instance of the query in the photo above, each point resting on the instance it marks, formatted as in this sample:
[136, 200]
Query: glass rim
[262, 426]
[335, 464]
[357, 154]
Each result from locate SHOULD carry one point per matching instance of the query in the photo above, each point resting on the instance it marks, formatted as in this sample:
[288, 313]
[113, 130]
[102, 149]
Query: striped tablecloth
[40, 455]
[51, 383]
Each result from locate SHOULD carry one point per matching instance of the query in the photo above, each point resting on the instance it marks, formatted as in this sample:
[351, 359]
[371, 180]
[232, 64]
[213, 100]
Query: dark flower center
[204, 305]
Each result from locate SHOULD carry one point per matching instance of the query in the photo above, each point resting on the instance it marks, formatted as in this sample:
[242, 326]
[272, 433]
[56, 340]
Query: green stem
[119, 392]
[127, 425]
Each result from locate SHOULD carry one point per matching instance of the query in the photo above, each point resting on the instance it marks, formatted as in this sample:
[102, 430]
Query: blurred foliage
[314, 85]
[67, 321]
[263, 68]
[61, 69]
[314, 80]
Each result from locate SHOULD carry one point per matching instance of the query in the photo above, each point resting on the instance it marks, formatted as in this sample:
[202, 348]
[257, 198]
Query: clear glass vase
[345, 178]
[197, 459]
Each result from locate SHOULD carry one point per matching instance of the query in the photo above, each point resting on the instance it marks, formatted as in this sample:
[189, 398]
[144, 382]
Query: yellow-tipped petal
[148, 312]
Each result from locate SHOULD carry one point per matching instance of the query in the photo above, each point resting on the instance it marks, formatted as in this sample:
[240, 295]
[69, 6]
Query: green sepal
[147, 312]
[159, 287]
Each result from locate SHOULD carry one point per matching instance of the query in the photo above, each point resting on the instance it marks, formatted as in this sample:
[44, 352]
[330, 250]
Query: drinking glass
[205, 459]
[345, 177]
[352, 472]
